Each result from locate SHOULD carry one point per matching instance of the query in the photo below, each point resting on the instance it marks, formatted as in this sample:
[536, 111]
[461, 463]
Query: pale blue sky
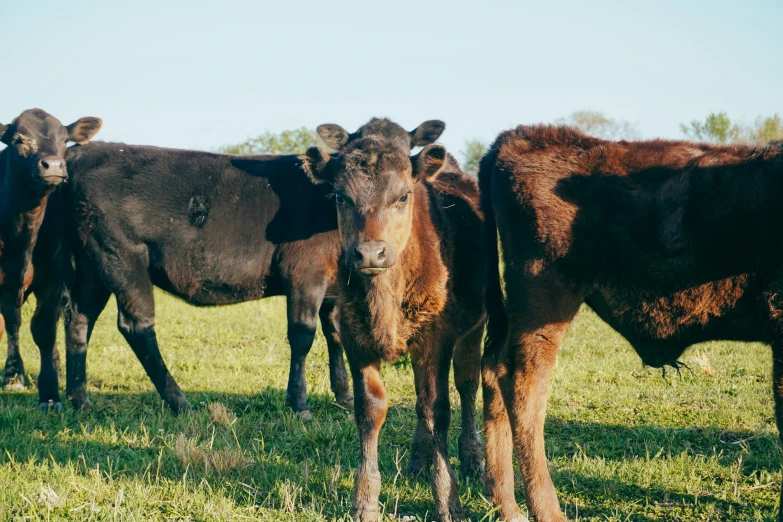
[202, 74]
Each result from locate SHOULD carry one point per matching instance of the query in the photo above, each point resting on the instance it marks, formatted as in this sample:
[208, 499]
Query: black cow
[211, 229]
[32, 166]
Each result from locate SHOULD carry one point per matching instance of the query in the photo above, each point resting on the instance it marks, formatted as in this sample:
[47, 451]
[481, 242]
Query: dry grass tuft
[219, 414]
[192, 454]
[703, 361]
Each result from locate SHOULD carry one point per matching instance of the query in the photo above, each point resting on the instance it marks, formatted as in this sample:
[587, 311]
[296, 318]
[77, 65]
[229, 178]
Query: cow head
[37, 142]
[336, 137]
[373, 183]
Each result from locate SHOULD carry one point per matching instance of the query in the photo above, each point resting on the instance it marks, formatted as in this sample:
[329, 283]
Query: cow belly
[662, 326]
[213, 278]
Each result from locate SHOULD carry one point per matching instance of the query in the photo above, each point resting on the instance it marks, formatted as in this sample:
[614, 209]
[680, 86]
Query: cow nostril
[44, 164]
[357, 254]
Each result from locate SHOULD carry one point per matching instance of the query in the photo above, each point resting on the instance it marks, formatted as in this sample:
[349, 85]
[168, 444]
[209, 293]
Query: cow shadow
[133, 436]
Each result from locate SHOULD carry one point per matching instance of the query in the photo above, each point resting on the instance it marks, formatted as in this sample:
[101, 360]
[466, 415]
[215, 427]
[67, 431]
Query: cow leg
[136, 322]
[539, 314]
[499, 478]
[467, 370]
[44, 329]
[304, 301]
[777, 391]
[338, 376]
[421, 449]
[431, 372]
[370, 406]
[14, 367]
[86, 302]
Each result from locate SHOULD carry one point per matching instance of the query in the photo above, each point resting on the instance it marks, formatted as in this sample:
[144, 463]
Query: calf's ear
[3, 132]
[317, 164]
[333, 135]
[429, 162]
[426, 133]
[82, 130]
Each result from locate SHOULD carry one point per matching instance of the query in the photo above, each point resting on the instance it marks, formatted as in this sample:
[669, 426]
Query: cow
[210, 229]
[411, 279]
[671, 243]
[32, 167]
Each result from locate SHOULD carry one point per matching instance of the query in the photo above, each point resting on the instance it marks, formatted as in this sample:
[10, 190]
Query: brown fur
[671, 243]
[426, 302]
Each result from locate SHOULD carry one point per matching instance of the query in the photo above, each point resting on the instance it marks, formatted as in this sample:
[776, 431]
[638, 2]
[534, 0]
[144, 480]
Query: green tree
[766, 130]
[716, 128]
[294, 141]
[597, 124]
[472, 153]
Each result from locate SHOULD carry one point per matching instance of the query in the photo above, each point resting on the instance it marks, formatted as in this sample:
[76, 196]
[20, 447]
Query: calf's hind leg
[777, 391]
[303, 303]
[467, 370]
[539, 312]
[87, 301]
[338, 376]
[44, 329]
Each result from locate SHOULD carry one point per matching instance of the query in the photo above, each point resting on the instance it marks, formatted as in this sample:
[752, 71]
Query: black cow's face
[373, 190]
[37, 143]
[336, 137]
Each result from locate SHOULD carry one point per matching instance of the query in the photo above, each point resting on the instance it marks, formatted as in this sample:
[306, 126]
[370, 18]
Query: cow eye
[66, 140]
[404, 197]
[339, 198]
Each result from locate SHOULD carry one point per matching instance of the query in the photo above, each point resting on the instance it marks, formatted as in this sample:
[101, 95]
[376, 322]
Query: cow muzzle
[51, 171]
[372, 257]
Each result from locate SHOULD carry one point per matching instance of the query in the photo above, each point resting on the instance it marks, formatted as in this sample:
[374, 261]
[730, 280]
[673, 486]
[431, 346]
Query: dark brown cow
[31, 168]
[411, 281]
[671, 243]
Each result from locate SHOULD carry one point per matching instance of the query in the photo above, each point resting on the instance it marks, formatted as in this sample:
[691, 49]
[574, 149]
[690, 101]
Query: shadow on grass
[133, 436]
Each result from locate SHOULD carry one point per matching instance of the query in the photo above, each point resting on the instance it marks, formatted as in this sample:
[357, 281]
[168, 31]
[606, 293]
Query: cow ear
[429, 162]
[333, 135]
[82, 130]
[426, 133]
[3, 131]
[316, 163]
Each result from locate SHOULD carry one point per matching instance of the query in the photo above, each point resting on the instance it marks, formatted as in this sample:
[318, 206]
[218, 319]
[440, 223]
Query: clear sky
[203, 74]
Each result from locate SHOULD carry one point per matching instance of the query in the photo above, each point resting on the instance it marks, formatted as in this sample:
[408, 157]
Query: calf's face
[373, 184]
[37, 143]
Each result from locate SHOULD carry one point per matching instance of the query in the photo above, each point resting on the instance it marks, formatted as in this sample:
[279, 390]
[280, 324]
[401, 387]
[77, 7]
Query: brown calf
[671, 243]
[32, 166]
[412, 281]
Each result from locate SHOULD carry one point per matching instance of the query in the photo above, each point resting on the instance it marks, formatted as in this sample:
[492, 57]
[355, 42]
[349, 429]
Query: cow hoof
[304, 415]
[15, 382]
[365, 514]
[418, 467]
[471, 458]
[346, 402]
[83, 407]
[50, 405]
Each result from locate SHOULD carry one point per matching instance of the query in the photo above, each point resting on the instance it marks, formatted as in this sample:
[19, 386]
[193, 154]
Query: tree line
[717, 128]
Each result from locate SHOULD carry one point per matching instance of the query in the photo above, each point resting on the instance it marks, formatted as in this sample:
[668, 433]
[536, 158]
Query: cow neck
[393, 307]
[21, 212]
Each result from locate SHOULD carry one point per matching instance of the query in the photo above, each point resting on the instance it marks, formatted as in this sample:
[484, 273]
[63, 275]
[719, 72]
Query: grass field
[624, 443]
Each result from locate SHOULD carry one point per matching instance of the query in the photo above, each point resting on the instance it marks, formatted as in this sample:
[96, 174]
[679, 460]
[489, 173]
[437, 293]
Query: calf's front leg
[370, 406]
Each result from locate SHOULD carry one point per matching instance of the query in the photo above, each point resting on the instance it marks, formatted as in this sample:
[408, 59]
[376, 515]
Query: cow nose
[373, 256]
[52, 167]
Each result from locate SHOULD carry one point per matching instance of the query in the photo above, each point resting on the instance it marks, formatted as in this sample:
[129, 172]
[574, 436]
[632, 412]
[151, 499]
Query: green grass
[624, 443]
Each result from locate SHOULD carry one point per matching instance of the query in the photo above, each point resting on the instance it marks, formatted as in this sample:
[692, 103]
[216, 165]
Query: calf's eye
[339, 199]
[404, 198]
